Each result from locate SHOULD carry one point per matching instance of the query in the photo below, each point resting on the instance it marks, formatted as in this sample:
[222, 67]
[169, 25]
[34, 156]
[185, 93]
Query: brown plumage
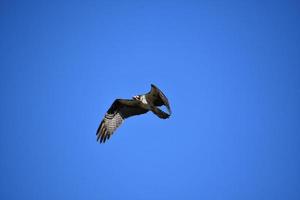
[124, 108]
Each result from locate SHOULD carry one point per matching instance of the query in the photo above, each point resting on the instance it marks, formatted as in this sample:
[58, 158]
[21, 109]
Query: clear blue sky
[231, 70]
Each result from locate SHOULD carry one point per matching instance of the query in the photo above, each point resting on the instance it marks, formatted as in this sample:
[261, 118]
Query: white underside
[143, 99]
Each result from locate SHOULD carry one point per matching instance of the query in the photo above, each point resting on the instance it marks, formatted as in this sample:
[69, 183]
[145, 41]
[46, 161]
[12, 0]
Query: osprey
[124, 108]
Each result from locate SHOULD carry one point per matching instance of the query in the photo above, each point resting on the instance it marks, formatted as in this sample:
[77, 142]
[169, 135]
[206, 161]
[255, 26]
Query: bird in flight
[124, 108]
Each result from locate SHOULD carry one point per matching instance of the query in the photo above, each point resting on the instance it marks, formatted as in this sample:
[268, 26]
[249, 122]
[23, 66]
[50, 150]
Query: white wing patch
[112, 122]
[108, 126]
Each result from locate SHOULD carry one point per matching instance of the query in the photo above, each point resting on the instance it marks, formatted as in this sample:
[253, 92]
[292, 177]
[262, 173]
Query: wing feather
[116, 114]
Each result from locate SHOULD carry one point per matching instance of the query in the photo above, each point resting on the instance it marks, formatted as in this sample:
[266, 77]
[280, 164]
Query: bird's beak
[135, 97]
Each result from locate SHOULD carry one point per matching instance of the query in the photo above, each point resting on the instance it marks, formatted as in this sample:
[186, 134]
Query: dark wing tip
[102, 133]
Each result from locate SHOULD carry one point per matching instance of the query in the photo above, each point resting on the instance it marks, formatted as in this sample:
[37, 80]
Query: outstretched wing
[158, 98]
[116, 114]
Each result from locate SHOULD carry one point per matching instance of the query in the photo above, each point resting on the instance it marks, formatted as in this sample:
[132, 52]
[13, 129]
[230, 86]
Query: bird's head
[137, 97]
[140, 98]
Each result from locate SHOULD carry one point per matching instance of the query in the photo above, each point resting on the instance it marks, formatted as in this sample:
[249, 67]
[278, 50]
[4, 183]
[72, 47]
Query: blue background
[231, 70]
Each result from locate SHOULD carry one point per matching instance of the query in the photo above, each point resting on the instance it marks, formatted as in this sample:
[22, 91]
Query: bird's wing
[159, 98]
[116, 114]
[158, 112]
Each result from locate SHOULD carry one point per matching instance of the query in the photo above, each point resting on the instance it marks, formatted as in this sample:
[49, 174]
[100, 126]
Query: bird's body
[124, 108]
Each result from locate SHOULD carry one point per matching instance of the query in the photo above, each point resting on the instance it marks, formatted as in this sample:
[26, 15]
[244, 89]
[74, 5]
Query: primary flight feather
[124, 108]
